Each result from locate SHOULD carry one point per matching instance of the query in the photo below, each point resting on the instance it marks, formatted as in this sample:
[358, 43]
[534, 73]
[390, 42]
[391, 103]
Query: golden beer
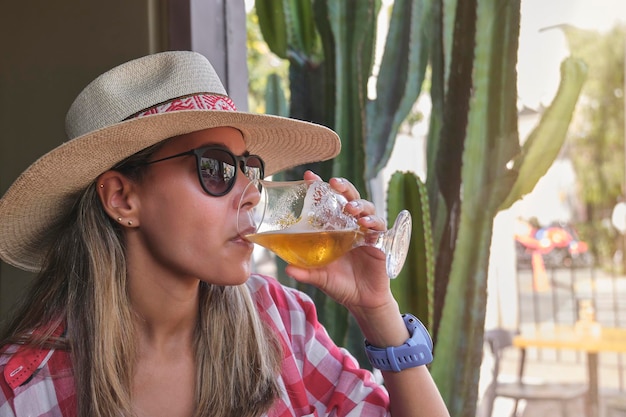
[306, 249]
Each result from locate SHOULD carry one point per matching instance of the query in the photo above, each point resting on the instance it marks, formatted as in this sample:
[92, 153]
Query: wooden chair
[499, 340]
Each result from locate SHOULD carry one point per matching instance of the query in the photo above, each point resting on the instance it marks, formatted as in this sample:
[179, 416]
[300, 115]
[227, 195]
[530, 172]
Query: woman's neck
[166, 310]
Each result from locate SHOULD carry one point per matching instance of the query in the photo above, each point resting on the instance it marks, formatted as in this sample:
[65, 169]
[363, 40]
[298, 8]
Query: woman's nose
[251, 195]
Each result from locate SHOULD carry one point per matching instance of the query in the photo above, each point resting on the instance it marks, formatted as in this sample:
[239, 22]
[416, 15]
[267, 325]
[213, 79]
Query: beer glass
[304, 223]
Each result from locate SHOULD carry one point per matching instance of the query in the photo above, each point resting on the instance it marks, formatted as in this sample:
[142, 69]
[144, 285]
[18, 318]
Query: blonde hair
[83, 283]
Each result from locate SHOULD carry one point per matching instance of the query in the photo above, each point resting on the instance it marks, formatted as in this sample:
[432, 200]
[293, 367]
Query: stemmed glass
[305, 224]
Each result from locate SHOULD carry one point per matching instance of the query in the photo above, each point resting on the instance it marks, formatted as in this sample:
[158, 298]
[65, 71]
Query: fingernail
[354, 203]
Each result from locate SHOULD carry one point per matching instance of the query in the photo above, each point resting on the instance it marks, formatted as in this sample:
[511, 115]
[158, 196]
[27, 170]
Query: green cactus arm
[353, 27]
[413, 288]
[443, 17]
[459, 337]
[328, 73]
[458, 93]
[545, 141]
[303, 26]
[448, 20]
[288, 28]
[447, 159]
[490, 141]
[273, 26]
[399, 80]
[437, 93]
[275, 101]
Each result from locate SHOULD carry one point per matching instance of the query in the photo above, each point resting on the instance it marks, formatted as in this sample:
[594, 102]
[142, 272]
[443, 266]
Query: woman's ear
[118, 198]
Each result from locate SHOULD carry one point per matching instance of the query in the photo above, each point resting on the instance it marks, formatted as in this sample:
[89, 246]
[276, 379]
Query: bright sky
[541, 52]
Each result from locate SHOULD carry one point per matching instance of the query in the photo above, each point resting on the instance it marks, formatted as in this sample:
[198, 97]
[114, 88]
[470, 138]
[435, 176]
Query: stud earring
[101, 185]
[130, 222]
[119, 219]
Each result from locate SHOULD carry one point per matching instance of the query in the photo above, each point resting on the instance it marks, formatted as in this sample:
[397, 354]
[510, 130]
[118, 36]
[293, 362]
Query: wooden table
[589, 340]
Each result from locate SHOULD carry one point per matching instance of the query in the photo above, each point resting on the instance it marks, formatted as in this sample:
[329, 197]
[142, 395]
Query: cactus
[490, 184]
[288, 28]
[275, 101]
[545, 141]
[346, 32]
[413, 288]
[476, 166]
[487, 142]
[331, 89]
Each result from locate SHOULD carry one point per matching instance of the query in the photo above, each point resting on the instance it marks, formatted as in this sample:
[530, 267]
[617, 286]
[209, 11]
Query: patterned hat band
[202, 101]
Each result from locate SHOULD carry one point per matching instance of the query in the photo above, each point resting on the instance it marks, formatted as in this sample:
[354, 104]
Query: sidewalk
[570, 370]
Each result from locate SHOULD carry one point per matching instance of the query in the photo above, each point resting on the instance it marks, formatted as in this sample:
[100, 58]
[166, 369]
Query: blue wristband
[416, 351]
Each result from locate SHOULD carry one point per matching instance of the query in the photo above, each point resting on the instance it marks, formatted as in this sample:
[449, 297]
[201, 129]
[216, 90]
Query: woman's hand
[358, 280]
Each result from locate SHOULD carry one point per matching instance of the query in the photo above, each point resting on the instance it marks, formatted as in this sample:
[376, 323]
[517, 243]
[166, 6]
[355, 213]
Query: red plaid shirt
[317, 378]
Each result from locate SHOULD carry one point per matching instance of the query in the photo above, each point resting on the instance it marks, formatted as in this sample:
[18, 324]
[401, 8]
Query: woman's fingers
[362, 209]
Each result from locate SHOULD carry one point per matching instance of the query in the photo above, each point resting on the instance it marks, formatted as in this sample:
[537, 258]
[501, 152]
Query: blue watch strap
[416, 351]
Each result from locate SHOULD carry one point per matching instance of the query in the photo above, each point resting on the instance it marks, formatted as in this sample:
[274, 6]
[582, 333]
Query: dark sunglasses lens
[218, 170]
[254, 168]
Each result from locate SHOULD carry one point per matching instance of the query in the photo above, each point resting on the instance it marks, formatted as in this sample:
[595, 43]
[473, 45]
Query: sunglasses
[217, 168]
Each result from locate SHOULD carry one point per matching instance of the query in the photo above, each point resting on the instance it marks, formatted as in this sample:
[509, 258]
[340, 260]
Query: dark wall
[50, 50]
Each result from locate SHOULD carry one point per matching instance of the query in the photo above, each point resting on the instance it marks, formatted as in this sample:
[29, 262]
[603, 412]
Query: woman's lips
[247, 231]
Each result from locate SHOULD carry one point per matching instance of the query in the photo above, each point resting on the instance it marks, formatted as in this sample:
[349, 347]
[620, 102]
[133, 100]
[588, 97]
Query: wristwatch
[416, 351]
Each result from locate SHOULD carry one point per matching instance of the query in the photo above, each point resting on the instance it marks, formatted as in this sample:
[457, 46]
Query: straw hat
[125, 110]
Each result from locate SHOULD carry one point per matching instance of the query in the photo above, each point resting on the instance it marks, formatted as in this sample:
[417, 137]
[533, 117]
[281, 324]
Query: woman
[144, 303]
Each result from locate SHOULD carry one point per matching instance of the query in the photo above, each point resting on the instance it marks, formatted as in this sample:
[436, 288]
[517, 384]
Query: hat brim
[43, 193]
